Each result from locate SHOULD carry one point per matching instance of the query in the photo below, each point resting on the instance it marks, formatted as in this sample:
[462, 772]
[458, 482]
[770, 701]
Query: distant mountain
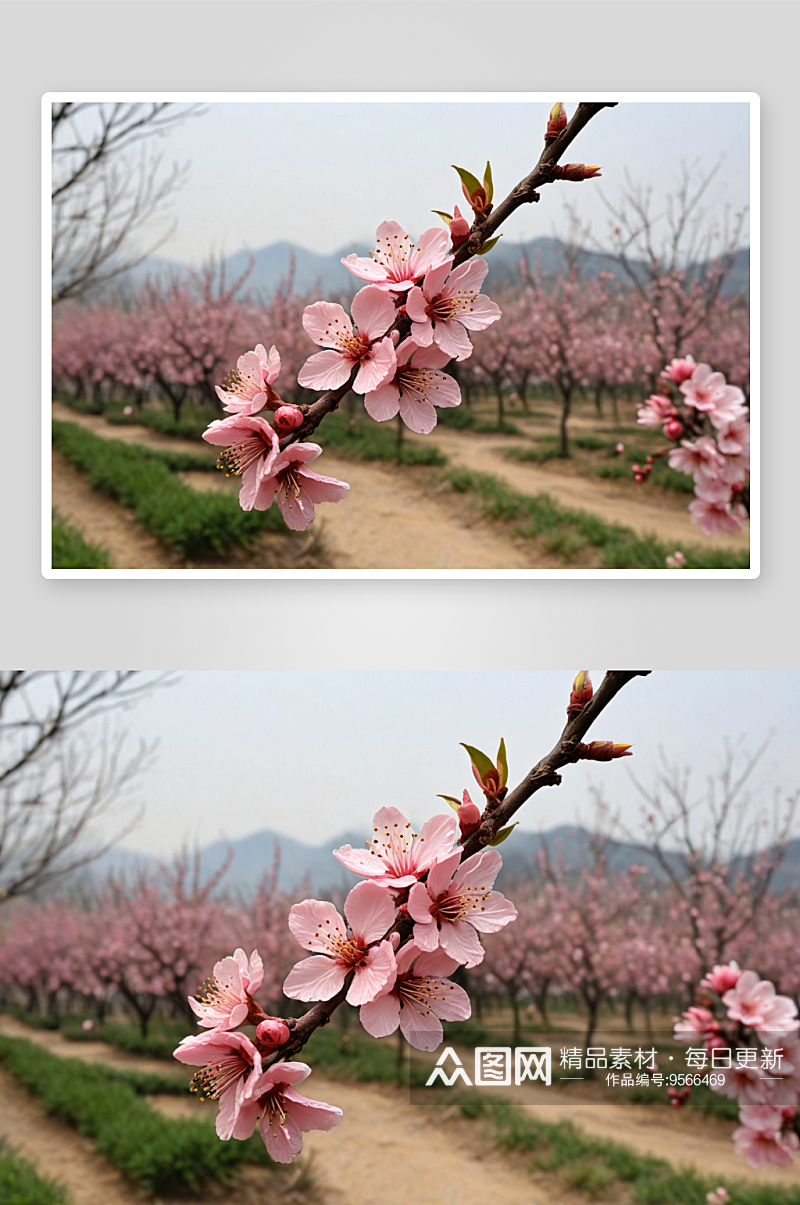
[313, 866]
[327, 275]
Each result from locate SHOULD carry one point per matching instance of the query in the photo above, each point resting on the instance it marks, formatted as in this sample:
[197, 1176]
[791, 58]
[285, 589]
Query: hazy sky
[323, 174]
[311, 755]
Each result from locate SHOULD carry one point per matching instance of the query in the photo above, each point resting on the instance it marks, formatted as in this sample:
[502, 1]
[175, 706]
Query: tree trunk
[563, 447]
[517, 1025]
[500, 406]
[591, 1025]
[541, 1002]
[598, 398]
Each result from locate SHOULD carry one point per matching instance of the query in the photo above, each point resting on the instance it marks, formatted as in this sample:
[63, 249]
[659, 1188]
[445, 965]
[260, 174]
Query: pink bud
[469, 816]
[673, 428]
[619, 449]
[459, 229]
[287, 418]
[272, 1032]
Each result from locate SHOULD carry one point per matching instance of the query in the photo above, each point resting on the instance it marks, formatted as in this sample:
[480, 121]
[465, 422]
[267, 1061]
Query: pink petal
[322, 489]
[383, 403]
[422, 1030]
[442, 872]
[370, 911]
[315, 978]
[381, 1016]
[405, 956]
[378, 971]
[494, 914]
[433, 283]
[469, 275]
[373, 311]
[428, 357]
[415, 308]
[461, 942]
[450, 1002]
[419, 905]
[438, 964]
[426, 936]
[325, 322]
[380, 364]
[314, 922]
[452, 338]
[245, 1122]
[437, 839]
[325, 370]
[417, 415]
[364, 268]
[360, 861]
[311, 1114]
[482, 313]
[265, 493]
[432, 245]
[273, 364]
[479, 870]
[297, 511]
[283, 1142]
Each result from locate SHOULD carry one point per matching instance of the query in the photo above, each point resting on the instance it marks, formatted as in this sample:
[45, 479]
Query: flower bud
[459, 229]
[602, 751]
[272, 1032]
[556, 123]
[581, 693]
[673, 428]
[619, 448]
[575, 171]
[287, 418]
[469, 816]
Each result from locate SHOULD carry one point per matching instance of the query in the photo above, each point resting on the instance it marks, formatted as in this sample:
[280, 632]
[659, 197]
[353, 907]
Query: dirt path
[664, 515]
[389, 520]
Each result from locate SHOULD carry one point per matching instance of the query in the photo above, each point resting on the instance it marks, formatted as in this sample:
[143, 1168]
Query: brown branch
[544, 774]
[524, 192]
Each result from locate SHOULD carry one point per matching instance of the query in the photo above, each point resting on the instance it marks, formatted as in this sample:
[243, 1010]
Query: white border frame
[750, 98]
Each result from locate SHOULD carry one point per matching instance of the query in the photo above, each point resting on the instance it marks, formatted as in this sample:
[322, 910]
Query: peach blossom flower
[231, 1063]
[456, 903]
[419, 1000]
[245, 389]
[722, 978]
[396, 856]
[223, 1000]
[329, 326]
[297, 487]
[251, 446]
[318, 927]
[448, 305]
[396, 264]
[753, 1001]
[282, 1112]
[415, 389]
[761, 1138]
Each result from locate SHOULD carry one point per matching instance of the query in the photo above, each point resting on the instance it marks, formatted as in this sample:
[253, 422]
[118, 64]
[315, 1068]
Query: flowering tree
[412, 317]
[412, 920]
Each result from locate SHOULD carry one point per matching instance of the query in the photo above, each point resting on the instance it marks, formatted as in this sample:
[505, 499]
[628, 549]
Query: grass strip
[600, 1168]
[569, 533]
[21, 1184]
[194, 524]
[617, 466]
[362, 439]
[71, 550]
[163, 1154]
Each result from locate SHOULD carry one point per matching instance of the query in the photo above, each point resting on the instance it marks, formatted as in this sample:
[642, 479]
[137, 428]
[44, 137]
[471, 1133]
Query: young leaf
[470, 182]
[487, 181]
[454, 803]
[500, 836]
[481, 762]
[446, 217]
[502, 763]
[487, 246]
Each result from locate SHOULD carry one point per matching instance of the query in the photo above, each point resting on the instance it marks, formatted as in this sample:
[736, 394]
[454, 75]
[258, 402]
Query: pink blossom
[733, 437]
[419, 1000]
[718, 1196]
[318, 927]
[709, 392]
[456, 903]
[272, 1032]
[396, 264]
[223, 1000]
[680, 370]
[714, 517]
[284, 1115]
[298, 488]
[722, 978]
[696, 1022]
[655, 411]
[231, 1064]
[329, 326]
[415, 389]
[761, 1138]
[753, 1002]
[448, 305]
[676, 561]
[251, 446]
[288, 418]
[244, 390]
[396, 856]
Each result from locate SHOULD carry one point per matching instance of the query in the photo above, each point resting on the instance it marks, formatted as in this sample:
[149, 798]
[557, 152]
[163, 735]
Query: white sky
[323, 175]
[311, 754]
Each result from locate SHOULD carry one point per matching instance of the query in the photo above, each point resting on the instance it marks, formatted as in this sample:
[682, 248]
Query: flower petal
[325, 322]
[461, 942]
[315, 978]
[373, 311]
[370, 911]
[314, 923]
[381, 1016]
[322, 489]
[378, 366]
[325, 370]
[378, 971]
[383, 403]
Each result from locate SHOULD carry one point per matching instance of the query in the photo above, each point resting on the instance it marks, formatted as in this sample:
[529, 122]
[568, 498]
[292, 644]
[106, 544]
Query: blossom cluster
[437, 305]
[407, 926]
[740, 1009]
[718, 457]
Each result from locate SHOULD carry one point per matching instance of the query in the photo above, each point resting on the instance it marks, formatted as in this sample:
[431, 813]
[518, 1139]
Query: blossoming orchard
[425, 331]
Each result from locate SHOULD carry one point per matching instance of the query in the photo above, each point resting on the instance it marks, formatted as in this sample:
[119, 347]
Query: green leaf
[487, 181]
[446, 217]
[500, 837]
[482, 763]
[487, 246]
[470, 182]
[502, 763]
[454, 803]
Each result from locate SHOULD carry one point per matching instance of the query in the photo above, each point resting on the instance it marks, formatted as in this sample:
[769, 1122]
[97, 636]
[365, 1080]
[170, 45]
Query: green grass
[162, 1154]
[161, 1040]
[570, 532]
[616, 466]
[602, 1169]
[363, 439]
[71, 550]
[21, 1184]
[191, 425]
[194, 524]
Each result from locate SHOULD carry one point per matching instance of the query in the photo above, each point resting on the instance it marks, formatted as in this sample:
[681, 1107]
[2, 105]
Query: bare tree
[102, 193]
[62, 766]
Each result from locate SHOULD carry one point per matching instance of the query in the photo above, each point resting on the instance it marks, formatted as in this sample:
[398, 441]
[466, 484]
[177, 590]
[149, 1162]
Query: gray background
[441, 46]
